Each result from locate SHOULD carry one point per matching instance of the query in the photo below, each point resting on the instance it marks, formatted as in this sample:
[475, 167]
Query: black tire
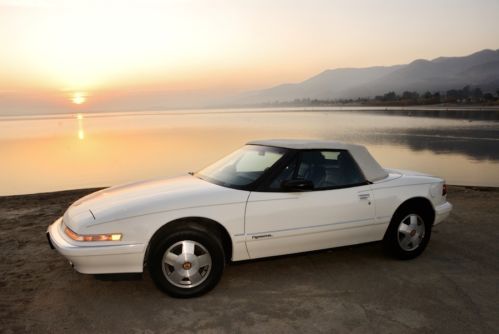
[394, 239]
[205, 240]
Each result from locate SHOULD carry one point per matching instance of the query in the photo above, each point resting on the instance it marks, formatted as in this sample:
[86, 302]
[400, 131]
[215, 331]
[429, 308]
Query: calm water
[40, 154]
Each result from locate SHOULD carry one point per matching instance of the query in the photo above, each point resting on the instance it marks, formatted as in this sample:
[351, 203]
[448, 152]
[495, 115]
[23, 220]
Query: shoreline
[71, 192]
[428, 109]
[93, 189]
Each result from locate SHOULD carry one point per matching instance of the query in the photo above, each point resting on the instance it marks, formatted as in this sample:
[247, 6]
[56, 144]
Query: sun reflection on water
[81, 132]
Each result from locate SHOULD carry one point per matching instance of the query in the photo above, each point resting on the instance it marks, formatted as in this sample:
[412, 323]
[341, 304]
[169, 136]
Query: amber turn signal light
[92, 237]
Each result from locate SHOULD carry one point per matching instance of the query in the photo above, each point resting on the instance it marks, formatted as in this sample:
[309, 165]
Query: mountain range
[479, 69]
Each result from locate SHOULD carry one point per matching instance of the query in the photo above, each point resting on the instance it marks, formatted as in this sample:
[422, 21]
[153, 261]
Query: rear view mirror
[297, 185]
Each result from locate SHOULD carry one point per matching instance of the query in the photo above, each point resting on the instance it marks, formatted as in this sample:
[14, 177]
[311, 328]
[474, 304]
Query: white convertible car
[270, 197]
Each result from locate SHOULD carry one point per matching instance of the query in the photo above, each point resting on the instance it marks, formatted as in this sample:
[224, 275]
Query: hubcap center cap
[187, 265]
[413, 232]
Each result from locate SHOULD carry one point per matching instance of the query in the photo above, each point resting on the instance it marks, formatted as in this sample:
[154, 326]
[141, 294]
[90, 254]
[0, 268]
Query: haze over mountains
[480, 69]
[441, 74]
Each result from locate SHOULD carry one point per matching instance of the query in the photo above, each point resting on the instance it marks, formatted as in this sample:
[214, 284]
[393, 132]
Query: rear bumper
[441, 212]
[97, 259]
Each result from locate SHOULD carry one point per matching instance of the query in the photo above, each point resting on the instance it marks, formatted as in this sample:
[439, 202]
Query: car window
[286, 174]
[243, 167]
[326, 169]
[257, 161]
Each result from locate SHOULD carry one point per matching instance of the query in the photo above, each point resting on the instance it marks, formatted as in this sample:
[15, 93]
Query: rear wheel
[408, 234]
[186, 262]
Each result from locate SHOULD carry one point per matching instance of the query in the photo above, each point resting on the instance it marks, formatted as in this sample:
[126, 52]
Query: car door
[338, 210]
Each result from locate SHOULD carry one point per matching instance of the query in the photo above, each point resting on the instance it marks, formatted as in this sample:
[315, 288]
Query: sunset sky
[100, 55]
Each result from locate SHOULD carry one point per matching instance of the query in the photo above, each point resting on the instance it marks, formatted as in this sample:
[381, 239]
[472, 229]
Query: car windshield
[242, 167]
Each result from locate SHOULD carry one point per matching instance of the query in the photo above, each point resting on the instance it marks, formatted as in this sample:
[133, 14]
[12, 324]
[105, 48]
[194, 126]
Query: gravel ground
[452, 288]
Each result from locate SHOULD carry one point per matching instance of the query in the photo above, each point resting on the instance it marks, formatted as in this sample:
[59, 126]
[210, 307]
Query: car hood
[150, 196]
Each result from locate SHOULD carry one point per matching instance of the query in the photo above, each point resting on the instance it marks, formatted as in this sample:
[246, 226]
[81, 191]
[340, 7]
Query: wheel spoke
[195, 277]
[414, 220]
[405, 229]
[170, 258]
[420, 229]
[204, 260]
[187, 247]
[405, 242]
[176, 277]
[415, 241]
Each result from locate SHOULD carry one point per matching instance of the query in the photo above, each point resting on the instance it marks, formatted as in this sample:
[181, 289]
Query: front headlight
[92, 237]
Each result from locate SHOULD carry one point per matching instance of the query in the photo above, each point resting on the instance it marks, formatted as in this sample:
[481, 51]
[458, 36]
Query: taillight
[444, 190]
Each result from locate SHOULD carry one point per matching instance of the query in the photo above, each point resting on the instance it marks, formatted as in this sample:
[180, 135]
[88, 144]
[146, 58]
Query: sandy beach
[451, 288]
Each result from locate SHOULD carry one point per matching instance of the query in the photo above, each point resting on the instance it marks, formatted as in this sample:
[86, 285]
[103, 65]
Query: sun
[79, 98]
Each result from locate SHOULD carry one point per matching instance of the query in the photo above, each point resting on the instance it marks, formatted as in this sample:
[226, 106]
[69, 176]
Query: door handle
[365, 197]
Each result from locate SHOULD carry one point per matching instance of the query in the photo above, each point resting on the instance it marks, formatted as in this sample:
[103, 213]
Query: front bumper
[441, 212]
[105, 259]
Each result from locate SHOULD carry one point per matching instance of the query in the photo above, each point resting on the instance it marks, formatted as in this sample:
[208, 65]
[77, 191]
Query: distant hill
[440, 74]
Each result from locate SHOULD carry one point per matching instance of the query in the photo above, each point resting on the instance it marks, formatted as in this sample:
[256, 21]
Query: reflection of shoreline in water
[452, 113]
[84, 150]
[476, 144]
[466, 113]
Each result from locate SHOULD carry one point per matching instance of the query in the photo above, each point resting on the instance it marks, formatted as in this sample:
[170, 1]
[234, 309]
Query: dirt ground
[452, 288]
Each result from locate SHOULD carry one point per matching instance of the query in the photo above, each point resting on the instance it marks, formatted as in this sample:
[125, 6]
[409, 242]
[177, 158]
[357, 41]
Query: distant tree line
[466, 95]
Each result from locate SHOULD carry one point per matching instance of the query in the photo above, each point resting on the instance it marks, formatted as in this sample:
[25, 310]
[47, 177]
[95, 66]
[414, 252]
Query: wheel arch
[420, 204]
[201, 222]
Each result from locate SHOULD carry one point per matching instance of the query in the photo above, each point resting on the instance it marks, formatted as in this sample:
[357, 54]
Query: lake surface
[57, 152]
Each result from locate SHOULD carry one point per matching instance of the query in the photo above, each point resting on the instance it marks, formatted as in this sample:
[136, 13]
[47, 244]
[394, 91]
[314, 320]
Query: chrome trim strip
[314, 226]
[336, 229]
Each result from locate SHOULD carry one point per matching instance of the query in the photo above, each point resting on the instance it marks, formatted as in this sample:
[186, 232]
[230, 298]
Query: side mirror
[297, 185]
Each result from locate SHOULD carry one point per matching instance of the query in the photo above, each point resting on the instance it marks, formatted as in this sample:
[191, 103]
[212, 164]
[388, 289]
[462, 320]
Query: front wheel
[408, 234]
[187, 262]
